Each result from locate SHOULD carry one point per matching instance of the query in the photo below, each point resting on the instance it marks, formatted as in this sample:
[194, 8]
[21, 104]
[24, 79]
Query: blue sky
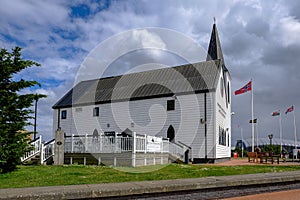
[260, 40]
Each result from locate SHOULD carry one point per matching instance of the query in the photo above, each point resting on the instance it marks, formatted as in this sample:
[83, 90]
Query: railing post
[41, 151]
[145, 144]
[100, 143]
[116, 142]
[85, 143]
[72, 145]
[134, 150]
[161, 145]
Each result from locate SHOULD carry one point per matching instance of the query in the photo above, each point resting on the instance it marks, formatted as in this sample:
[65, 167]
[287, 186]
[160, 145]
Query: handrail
[184, 144]
[47, 151]
[178, 149]
[36, 144]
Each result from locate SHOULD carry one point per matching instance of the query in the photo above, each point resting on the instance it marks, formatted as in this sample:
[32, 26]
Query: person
[283, 155]
[257, 150]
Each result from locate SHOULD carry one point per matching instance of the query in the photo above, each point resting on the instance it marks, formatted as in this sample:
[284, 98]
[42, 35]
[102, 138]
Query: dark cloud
[260, 40]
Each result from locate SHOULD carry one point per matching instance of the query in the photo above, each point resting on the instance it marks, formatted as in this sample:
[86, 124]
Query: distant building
[90, 105]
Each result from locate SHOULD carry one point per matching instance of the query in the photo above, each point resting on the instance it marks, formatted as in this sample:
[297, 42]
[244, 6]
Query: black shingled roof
[190, 78]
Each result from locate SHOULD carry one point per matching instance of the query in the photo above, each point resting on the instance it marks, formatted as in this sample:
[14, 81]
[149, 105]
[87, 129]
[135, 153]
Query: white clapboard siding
[150, 116]
[198, 146]
[223, 119]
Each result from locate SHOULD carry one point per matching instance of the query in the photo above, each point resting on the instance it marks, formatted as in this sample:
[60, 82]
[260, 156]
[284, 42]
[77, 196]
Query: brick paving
[290, 195]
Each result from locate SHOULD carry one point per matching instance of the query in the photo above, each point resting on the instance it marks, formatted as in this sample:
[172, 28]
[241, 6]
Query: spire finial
[214, 20]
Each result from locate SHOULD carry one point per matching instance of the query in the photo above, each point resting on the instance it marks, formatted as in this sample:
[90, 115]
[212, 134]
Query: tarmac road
[290, 195]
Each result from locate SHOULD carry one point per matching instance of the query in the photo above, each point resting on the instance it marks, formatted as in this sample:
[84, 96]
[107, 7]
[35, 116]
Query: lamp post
[270, 137]
[35, 115]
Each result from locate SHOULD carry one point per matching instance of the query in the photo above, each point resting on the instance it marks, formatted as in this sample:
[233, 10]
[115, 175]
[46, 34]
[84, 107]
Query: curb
[126, 189]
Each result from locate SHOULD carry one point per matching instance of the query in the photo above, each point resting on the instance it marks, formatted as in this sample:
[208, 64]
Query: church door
[171, 133]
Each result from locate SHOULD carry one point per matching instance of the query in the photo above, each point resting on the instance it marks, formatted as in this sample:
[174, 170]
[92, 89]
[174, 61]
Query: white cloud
[289, 29]
[257, 37]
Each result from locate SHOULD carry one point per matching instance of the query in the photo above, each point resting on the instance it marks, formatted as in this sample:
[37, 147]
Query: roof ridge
[151, 70]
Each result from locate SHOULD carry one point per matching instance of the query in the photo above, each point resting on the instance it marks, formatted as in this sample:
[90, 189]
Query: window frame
[170, 105]
[222, 87]
[63, 114]
[96, 112]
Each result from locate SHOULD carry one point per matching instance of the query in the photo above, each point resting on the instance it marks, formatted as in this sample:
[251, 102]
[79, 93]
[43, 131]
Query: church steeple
[214, 48]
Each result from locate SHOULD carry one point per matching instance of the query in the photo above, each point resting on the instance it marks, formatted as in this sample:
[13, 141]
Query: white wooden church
[195, 123]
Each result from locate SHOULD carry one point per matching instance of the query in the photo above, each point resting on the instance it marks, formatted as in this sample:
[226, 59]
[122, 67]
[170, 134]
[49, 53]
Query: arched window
[228, 92]
[95, 133]
[171, 133]
[222, 87]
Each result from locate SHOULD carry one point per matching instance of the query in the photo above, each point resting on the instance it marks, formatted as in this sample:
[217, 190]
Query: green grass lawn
[33, 176]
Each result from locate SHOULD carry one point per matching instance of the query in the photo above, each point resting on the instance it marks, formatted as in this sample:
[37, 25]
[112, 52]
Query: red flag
[244, 89]
[290, 109]
[275, 113]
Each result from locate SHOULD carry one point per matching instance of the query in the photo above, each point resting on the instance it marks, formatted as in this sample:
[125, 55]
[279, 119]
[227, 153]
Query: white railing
[100, 144]
[47, 150]
[179, 149]
[176, 150]
[114, 144]
[36, 145]
[165, 145]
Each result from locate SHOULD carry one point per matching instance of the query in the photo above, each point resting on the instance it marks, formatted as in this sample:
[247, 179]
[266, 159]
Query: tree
[14, 109]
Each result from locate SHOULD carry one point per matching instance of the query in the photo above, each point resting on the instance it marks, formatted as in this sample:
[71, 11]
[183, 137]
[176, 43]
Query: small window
[228, 140]
[222, 136]
[64, 114]
[222, 87]
[96, 112]
[228, 92]
[170, 105]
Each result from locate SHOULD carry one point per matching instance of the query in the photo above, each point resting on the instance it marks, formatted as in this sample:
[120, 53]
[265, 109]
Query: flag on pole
[275, 113]
[290, 109]
[253, 121]
[246, 88]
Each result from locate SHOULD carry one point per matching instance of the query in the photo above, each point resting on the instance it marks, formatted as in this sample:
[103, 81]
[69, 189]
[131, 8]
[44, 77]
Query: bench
[268, 156]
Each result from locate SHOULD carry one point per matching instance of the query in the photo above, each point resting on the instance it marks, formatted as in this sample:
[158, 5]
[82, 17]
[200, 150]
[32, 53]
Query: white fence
[179, 149]
[36, 147]
[115, 144]
[45, 151]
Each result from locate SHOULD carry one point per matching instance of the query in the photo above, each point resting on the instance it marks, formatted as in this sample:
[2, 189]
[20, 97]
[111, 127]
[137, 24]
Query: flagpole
[242, 142]
[295, 131]
[252, 116]
[280, 132]
[256, 125]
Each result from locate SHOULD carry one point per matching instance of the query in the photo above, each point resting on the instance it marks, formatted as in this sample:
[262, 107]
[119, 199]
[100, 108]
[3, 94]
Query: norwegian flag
[290, 109]
[244, 89]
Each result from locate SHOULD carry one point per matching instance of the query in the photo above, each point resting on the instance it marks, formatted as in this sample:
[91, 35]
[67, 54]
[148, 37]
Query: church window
[222, 87]
[170, 105]
[96, 112]
[64, 114]
[228, 92]
[222, 136]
